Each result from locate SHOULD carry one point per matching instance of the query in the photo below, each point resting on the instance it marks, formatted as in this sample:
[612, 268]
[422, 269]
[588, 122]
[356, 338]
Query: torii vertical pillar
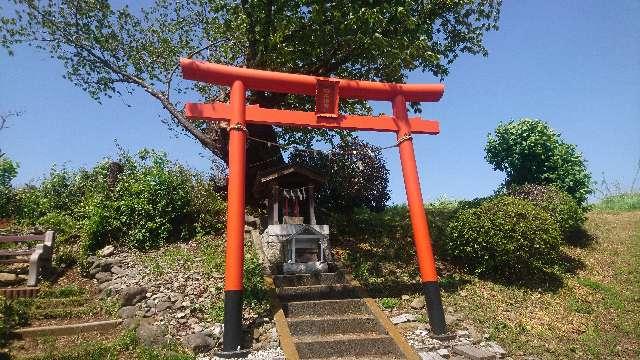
[419, 224]
[235, 221]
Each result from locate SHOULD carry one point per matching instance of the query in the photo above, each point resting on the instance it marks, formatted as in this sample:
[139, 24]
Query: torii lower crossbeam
[256, 115]
[327, 92]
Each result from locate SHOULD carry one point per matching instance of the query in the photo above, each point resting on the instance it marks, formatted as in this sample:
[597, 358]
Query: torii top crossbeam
[327, 92]
[305, 84]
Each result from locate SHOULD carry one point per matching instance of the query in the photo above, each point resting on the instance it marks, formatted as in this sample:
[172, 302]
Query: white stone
[418, 303]
[430, 355]
[443, 352]
[403, 318]
[494, 347]
[107, 251]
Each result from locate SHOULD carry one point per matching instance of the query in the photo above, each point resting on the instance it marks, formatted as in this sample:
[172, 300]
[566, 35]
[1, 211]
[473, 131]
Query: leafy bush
[141, 201]
[207, 207]
[8, 171]
[439, 214]
[154, 201]
[357, 176]
[57, 193]
[255, 293]
[379, 246]
[505, 237]
[530, 152]
[557, 203]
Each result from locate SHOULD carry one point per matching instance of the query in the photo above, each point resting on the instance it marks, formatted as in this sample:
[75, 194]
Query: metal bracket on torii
[327, 93]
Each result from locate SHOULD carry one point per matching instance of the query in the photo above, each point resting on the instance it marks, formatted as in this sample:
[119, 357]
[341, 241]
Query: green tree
[110, 51]
[528, 151]
[8, 171]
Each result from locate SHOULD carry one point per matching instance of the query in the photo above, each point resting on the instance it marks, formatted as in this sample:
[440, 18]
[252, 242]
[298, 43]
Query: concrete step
[322, 347]
[335, 325]
[309, 279]
[325, 308]
[67, 330]
[316, 292]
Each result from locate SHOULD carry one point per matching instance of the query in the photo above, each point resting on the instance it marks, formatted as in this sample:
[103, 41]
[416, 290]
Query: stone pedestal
[275, 245]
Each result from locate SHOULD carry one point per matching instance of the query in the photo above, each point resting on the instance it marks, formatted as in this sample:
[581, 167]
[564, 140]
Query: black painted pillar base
[232, 336]
[432, 297]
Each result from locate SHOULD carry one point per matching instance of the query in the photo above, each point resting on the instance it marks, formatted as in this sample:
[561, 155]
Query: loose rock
[215, 331]
[132, 295]
[127, 312]
[107, 251]
[417, 303]
[150, 335]
[199, 343]
[403, 318]
[103, 277]
[163, 305]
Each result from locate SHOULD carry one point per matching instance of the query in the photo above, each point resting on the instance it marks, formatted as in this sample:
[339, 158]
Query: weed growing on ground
[215, 311]
[389, 303]
[168, 259]
[69, 291]
[109, 306]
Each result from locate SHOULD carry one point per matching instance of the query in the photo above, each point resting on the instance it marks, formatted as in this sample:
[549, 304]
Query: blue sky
[574, 64]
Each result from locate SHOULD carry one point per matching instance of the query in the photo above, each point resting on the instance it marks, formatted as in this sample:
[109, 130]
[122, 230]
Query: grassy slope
[596, 315]
[628, 201]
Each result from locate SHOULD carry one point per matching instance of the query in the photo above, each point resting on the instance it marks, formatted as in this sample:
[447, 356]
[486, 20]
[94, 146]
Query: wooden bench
[39, 257]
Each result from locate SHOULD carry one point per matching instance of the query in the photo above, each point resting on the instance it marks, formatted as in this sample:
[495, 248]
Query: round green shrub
[504, 237]
[562, 208]
[529, 151]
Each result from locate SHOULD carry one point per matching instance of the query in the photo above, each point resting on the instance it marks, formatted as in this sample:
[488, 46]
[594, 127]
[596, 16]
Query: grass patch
[215, 311]
[68, 291]
[126, 346]
[169, 258]
[580, 306]
[211, 251]
[595, 314]
[629, 201]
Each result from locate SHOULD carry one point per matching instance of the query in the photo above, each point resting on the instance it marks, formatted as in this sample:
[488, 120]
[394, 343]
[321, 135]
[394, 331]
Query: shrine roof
[289, 175]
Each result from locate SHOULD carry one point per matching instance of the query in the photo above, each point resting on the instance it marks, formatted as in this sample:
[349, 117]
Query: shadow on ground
[580, 238]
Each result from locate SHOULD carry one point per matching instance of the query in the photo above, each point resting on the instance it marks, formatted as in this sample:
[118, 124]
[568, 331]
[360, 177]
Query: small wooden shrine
[290, 194]
[293, 242]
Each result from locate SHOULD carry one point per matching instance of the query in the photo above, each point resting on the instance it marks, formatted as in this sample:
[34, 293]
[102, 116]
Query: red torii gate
[327, 92]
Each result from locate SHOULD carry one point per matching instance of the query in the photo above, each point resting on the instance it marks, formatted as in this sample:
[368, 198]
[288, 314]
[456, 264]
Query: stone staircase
[79, 317]
[328, 318]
